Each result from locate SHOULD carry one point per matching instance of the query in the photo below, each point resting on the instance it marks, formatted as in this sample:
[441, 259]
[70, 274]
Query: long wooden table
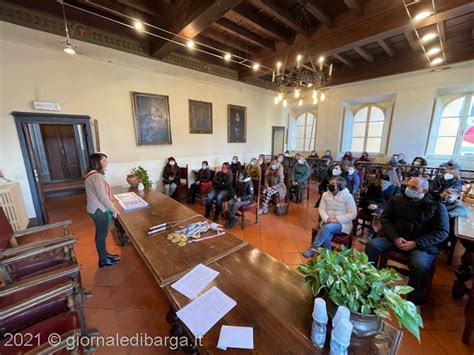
[270, 295]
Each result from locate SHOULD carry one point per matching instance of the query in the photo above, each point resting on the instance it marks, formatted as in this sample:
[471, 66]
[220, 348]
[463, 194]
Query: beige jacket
[98, 194]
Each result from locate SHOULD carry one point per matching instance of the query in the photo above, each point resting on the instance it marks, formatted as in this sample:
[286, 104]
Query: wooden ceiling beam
[192, 19]
[320, 14]
[279, 13]
[364, 54]
[343, 60]
[442, 33]
[412, 41]
[241, 32]
[355, 6]
[386, 47]
[216, 40]
[269, 28]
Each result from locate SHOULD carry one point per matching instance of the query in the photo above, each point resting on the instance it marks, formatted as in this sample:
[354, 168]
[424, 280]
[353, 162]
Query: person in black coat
[203, 176]
[415, 223]
[235, 165]
[171, 177]
[222, 188]
[449, 180]
[244, 192]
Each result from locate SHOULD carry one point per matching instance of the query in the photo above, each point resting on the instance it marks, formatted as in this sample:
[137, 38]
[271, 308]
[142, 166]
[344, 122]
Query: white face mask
[171, 163]
[252, 162]
[448, 176]
[300, 161]
[351, 171]
[416, 163]
[336, 172]
[204, 166]
[280, 159]
[234, 161]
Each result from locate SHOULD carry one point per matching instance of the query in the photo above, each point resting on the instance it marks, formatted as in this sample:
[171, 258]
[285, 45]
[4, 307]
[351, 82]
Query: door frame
[45, 118]
[274, 129]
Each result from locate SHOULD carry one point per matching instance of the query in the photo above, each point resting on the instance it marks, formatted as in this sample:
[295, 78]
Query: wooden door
[61, 152]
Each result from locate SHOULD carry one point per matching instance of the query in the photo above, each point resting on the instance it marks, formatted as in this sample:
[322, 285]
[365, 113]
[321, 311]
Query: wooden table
[270, 296]
[167, 261]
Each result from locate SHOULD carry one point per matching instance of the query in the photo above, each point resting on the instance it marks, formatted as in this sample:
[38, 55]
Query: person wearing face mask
[235, 166]
[300, 173]
[327, 158]
[449, 180]
[353, 179]
[286, 160]
[451, 163]
[416, 224]
[334, 171]
[222, 188]
[416, 169]
[337, 211]
[100, 206]
[401, 159]
[202, 182]
[253, 169]
[274, 183]
[347, 160]
[364, 158]
[243, 195]
[171, 177]
[313, 155]
[263, 166]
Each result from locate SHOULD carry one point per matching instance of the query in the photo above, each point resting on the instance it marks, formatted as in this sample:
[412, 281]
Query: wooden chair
[305, 190]
[469, 315]
[338, 239]
[202, 194]
[252, 206]
[181, 192]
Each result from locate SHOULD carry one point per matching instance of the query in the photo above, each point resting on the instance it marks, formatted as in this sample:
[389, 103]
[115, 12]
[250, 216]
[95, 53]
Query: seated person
[415, 223]
[202, 182]
[416, 169]
[253, 169]
[235, 166]
[449, 180]
[300, 173]
[401, 159]
[313, 155]
[171, 177]
[287, 162]
[353, 179]
[364, 158]
[222, 188]
[243, 195]
[274, 183]
[327, 158]
[451, 163]
[347, 160]
[337, 211]
[334, 171]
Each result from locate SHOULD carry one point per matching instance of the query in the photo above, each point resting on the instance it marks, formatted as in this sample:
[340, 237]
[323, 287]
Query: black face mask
[331, 188]
[385, 177]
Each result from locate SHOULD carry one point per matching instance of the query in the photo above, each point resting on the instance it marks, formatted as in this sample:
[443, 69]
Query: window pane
[376, 114]
[361, 115]
[357, 144]
[310, 119]
[373, 145]
[300, 132]
[308, 144]
[448, 127]
[467, 145]
[471, 110]
[445, 145]
[375, 129]
[454, 108]
[300, 120]
[358, 129]
[299, 144]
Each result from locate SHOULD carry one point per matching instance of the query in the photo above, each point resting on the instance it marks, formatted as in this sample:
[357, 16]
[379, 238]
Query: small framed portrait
[236, 124]
[152, 118]
[200, 117]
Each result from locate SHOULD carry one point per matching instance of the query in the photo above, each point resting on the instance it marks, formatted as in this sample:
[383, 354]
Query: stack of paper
[195, 281]
[235, 337]
[130, 201]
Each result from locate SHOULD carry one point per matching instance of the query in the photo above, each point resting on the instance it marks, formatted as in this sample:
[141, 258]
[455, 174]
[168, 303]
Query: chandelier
[305, 82]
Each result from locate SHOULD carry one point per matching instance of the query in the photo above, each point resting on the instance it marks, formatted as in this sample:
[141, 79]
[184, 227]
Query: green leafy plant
[142, 174]
[352, 281]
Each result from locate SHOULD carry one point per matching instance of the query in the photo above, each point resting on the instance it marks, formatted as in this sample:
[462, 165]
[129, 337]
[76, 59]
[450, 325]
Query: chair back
[6, 231]
[256, 190]
[183, 173]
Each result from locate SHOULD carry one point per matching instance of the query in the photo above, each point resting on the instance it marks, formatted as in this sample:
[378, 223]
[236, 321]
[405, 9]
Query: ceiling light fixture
[138, 25]
[190, 44]
[300, 102]
[68, 47]
[227, 56]
[434, 50]
[437, 60]
[422, 15]
[256, 66]
[429, 36]
[285, 103]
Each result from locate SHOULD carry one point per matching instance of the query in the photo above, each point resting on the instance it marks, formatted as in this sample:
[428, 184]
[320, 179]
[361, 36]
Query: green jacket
[300, 173]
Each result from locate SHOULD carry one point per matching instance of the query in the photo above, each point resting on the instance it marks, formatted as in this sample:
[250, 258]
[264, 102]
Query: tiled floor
[127, 300]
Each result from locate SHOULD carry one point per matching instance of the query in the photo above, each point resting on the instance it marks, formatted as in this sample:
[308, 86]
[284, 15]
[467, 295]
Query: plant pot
[363, 326]
[133, 180]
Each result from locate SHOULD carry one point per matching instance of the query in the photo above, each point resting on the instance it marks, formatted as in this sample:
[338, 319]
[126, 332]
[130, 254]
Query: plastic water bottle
[341, 338]
[320, 320]
[141, 187]
[342, 313]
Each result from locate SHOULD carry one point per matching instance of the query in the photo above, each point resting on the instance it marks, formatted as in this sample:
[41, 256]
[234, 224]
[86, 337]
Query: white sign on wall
[46, 105]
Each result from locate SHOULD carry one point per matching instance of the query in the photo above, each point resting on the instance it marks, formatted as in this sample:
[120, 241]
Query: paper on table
[205, 311]
[195, 281]
[235, 337]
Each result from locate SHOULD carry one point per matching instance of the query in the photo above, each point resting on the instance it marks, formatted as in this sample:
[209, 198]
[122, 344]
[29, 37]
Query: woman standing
[100, 206]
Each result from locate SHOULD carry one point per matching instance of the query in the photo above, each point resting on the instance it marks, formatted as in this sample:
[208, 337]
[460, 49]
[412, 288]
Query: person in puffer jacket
[415, 223]
[244, 193]
[337, 210]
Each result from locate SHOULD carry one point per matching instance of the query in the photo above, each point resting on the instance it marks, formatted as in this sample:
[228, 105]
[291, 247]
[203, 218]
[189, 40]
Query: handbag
[204, 186]
[281, 209]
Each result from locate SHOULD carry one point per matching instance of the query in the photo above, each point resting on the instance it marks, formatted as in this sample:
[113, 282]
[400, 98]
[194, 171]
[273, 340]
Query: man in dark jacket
[300, 173]
[203, 176]
[244, 193]
[222, 187]
[415, 223]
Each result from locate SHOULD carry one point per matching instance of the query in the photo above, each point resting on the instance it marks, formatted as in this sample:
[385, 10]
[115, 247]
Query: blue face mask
[274, 166]
[413, 194]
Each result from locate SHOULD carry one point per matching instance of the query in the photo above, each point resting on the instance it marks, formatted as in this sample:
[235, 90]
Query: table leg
[177, 330]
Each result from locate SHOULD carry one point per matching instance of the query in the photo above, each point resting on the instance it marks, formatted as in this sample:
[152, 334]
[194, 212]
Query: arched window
[452, 128]
[302, 132]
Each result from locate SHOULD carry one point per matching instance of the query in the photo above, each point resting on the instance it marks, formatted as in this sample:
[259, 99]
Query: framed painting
[236, 124]
[152, 119]
[200, 117]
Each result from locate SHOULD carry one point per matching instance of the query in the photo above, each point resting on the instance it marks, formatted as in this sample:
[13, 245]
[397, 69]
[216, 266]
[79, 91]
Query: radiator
[12, 203]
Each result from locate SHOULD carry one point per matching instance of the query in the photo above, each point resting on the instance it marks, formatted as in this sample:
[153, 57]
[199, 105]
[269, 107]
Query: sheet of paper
[205, 311]
[235, 337]
[195, 281]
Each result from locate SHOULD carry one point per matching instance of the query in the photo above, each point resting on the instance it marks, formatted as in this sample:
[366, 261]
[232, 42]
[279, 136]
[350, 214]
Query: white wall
[415, 94]
[98, 83]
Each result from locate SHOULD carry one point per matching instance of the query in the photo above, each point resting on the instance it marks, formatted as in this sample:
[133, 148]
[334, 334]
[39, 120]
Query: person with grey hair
[416, 224]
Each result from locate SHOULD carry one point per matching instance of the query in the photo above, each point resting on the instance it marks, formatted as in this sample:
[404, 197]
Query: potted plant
[139, 175]
[347, 278]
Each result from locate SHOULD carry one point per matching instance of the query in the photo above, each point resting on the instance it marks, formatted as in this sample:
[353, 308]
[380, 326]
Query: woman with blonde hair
[274, 183]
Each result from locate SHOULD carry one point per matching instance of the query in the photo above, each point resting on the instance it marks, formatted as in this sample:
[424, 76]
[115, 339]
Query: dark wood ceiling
[364, 39]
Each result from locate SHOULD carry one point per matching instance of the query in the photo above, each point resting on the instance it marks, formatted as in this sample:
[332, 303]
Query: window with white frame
[452, 126]
[302, 132]
[366, 126]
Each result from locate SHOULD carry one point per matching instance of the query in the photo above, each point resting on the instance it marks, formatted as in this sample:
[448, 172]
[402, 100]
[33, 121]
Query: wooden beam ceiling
[355, 6]
[364, 54]
[243, 33]
[343, 60]
[413, 41]
[385, 46]
[223, 40]
[191, 19]
[318, 12]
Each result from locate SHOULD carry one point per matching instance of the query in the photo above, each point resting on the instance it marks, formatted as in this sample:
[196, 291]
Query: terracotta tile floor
[127, 300]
